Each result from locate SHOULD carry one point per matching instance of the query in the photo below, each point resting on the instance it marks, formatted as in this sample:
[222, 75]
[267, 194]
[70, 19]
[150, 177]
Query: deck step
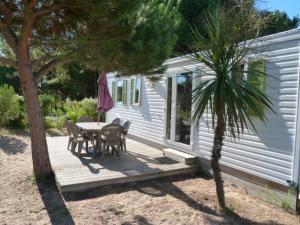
[179, 156]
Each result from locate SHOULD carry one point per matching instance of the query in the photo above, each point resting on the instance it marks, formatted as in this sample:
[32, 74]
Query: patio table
[92, 128]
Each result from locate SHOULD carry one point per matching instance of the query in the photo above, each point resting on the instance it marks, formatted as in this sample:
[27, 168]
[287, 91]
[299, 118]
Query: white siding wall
[148, 118]
[269, 152]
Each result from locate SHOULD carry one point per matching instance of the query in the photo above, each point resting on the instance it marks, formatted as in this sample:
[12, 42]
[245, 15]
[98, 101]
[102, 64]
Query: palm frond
[223, 95]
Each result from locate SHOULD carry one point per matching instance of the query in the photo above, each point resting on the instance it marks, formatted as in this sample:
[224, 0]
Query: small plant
[34, 179]
[9, 104]
[272, 197]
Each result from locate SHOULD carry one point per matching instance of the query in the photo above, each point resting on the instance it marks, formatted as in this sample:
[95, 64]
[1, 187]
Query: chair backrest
[68, 126]
[126, 126]
[75, 130]
[112, 134]
[116, 121]
[84, 118]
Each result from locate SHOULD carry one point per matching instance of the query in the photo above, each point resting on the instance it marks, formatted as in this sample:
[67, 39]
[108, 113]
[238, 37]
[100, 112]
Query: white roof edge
[268, 39]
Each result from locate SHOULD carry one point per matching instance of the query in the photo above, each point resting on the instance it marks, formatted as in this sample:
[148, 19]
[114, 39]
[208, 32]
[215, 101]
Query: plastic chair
[111, 137]
[116, 121]
[125, 127]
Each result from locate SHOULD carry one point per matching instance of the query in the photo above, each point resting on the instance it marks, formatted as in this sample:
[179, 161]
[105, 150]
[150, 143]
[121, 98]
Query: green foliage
[193, 14]
[47, 103]
[75, 109]
[272, 197]
[72, 81]
[227, 97]
[90, 105]
[9, 104]
[278, 21]
[10, 76]
[149, 33]
[54, 121]
[21, 120]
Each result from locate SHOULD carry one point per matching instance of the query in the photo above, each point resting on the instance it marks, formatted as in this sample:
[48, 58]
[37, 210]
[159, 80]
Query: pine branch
[49, 66]
[8, 62]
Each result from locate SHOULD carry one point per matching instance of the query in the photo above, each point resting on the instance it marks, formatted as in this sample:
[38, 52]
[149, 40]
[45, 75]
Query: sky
[291, 7]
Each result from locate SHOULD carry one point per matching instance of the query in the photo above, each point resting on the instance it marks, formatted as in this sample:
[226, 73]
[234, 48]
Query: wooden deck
[140, 162]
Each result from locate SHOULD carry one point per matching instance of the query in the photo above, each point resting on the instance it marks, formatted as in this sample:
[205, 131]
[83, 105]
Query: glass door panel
[183, 108]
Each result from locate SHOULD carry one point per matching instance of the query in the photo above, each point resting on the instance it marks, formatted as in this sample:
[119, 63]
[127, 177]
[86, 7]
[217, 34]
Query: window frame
[117, 85]
[133, 81]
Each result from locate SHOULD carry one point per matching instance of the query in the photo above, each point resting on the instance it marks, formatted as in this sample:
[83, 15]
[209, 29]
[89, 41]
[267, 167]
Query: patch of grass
[272, 197]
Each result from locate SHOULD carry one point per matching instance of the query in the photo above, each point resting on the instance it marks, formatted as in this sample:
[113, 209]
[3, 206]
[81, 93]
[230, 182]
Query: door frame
[193, 137]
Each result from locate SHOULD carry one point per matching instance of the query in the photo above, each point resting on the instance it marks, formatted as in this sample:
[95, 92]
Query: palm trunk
[216, 155]
[40, 156]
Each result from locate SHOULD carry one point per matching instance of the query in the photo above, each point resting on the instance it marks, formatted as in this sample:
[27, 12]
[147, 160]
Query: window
[119, 91]
[135, 91]
[138, 83]
[124, 96]
[256, 76]
[132, 86]
[113, 90]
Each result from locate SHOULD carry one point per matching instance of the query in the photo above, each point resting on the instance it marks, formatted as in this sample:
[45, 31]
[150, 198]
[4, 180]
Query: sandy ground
[180, 200]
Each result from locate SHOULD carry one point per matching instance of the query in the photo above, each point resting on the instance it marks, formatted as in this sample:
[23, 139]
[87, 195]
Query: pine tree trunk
[216, 155]
[40, 156]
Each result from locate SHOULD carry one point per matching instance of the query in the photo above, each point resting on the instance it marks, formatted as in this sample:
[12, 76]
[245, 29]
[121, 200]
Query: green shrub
[21, 120]
[54, 121]
[9, 104]
[75, 109]
[89, 105]
[47, 104]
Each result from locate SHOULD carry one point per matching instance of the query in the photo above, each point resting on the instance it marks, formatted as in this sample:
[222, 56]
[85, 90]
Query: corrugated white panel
[148, 118]
[269, 152]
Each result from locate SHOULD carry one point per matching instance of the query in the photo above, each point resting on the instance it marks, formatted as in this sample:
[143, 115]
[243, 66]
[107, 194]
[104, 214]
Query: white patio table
[92, 128]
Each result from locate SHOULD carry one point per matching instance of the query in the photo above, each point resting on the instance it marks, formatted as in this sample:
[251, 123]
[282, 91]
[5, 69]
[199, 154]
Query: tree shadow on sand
[54, 203]
[162, 187]
[11, 145]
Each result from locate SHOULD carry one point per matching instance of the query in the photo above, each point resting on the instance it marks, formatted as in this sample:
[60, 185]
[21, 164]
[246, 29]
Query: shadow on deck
[140, 162]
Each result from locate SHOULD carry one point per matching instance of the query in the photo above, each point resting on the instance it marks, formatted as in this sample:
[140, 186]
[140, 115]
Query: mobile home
[161, 111]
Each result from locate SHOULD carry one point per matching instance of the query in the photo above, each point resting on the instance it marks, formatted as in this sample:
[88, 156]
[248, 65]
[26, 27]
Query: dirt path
[164, 201]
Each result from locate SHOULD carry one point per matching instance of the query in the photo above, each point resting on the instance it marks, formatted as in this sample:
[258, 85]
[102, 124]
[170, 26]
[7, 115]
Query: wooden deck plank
[139, 163]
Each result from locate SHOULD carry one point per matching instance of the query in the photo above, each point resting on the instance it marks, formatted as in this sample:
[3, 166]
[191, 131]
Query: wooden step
[179, 156]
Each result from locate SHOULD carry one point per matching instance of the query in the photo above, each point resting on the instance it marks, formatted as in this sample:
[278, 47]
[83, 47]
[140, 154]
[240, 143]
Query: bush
[54, 121]
[47, 104]
[75, 109]
[89, 105]
[9, 104]
[21, 120]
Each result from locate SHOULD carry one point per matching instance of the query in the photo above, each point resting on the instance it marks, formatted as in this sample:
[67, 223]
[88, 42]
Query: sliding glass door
[179, 107]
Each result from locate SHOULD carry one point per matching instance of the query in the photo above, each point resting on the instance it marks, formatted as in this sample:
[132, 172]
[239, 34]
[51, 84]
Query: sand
[175, 200]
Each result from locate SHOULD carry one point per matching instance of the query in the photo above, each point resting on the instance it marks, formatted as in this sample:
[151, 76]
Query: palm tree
[231, 94]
